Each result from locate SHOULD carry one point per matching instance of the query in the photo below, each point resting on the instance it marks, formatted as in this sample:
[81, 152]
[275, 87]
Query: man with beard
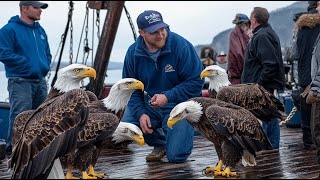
[25, 53]
[169, 67]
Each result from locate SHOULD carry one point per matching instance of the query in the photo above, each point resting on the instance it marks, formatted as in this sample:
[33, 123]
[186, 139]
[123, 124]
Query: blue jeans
[24, 94]
[272, 130]
[178, 140]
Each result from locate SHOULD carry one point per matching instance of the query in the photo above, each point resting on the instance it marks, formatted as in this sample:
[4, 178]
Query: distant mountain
[112, 65]
[280, 19]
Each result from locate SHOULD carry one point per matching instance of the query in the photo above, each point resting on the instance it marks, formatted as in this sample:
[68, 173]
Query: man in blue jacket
[170, 69]
[25, 53]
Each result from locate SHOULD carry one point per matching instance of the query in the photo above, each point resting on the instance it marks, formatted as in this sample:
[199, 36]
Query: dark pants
[315, 127]
[305, 122]
[24, 94]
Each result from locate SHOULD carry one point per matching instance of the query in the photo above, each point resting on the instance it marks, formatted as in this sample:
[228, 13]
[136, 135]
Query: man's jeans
[272, 130]
[178, 140]
[24, 94]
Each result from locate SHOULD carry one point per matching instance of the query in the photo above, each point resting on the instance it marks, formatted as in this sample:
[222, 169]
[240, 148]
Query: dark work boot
[157, 154]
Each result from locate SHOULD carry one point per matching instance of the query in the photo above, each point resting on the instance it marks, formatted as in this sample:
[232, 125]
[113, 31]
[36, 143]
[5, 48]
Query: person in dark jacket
[308, 29]
[263, 64]
[25, 53]
[238, 41]
[170, 69]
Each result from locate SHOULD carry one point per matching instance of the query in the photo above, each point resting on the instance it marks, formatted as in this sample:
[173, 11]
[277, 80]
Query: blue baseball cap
[240, 18]
[150, 21]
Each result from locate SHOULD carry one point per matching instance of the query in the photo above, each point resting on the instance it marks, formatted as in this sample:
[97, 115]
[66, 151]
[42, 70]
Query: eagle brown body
[253, 97]
[48, 133]
[52, 129]
[103, 120]
[231, 128]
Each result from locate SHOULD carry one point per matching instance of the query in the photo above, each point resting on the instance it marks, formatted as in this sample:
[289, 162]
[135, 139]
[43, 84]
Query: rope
[130, 22]
[292, 113]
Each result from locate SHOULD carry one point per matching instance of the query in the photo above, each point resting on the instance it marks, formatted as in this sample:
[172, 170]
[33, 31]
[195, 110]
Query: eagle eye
[76, 70]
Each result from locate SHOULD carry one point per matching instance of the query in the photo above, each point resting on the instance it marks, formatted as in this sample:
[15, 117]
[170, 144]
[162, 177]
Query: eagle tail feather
[248, 159]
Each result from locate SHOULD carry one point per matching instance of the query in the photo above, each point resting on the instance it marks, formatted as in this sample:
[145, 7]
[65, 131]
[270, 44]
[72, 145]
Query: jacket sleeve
[315, 68]
[189, 69]
[7, 43]
[268, 55]
[136, 102]
[234, 59]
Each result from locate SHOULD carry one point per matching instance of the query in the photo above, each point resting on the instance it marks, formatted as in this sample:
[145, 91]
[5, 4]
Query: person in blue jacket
[25, 53]
[170, 69]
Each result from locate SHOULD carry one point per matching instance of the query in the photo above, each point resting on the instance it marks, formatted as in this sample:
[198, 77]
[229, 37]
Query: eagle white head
[190, 110]
[128, 131]
[217, 75]
[121, 92]
[69, 77]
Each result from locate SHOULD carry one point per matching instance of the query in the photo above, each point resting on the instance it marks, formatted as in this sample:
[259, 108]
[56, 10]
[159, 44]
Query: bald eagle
[252, 97]
[104, 118]
[40, 136]
[234, 131]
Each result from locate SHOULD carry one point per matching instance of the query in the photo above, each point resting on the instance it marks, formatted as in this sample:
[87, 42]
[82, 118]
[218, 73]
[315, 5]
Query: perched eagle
[103, 120]
[252, 97]
[234, 131]
[40, 136]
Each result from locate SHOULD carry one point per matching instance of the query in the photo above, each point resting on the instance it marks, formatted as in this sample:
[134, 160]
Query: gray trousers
[315, 127]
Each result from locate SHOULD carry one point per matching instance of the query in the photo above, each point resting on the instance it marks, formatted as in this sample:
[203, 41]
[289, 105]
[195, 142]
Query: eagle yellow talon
[228, 173]
[86, 176]
[215, 170]
[92, 173]
[69, 174]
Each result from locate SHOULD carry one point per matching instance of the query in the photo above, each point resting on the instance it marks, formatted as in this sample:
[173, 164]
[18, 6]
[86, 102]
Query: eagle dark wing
[50, 132]
[18, 125]
[254, 98]
[97, 130]
[238, 125]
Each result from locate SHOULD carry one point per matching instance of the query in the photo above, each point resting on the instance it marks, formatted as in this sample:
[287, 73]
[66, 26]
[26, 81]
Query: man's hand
[159, 100]
[145, 124]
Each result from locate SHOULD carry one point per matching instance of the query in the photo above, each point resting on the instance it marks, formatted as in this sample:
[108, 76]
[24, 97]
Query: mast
[104, 49]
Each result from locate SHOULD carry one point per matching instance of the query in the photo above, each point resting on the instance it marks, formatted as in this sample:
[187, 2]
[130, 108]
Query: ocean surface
[112, 77]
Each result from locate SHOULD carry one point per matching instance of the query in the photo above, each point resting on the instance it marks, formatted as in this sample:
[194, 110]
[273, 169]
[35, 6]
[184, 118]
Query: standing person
[308, 29]
[25, 53]
[314, 95]
[169, 67]
[238, 41]
[222, 60]
[263, 64]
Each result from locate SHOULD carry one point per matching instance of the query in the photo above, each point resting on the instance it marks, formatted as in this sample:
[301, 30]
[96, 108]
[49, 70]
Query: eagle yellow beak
[172, 121]
[88, 72]
[138, 139]
[137, 85]
[205, 73]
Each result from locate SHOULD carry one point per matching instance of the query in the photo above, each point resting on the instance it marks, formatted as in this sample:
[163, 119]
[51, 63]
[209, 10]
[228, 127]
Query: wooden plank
[290, 162]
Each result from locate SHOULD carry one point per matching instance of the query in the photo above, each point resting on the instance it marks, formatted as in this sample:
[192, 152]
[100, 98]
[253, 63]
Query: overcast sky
[197, 21]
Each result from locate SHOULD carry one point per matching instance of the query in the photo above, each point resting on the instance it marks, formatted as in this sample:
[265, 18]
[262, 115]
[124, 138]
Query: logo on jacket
[42, 37]
[169, 68]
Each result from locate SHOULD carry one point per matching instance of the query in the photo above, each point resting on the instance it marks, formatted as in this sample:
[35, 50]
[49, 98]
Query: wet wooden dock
[291, 162]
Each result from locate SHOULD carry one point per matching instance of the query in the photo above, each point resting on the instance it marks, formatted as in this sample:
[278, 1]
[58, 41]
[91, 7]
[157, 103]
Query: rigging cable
[84, 22]
[131, 24]
[64, 36]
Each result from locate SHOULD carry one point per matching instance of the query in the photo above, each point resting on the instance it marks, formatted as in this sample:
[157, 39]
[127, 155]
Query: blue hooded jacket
[176, 73]
[24, 49]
